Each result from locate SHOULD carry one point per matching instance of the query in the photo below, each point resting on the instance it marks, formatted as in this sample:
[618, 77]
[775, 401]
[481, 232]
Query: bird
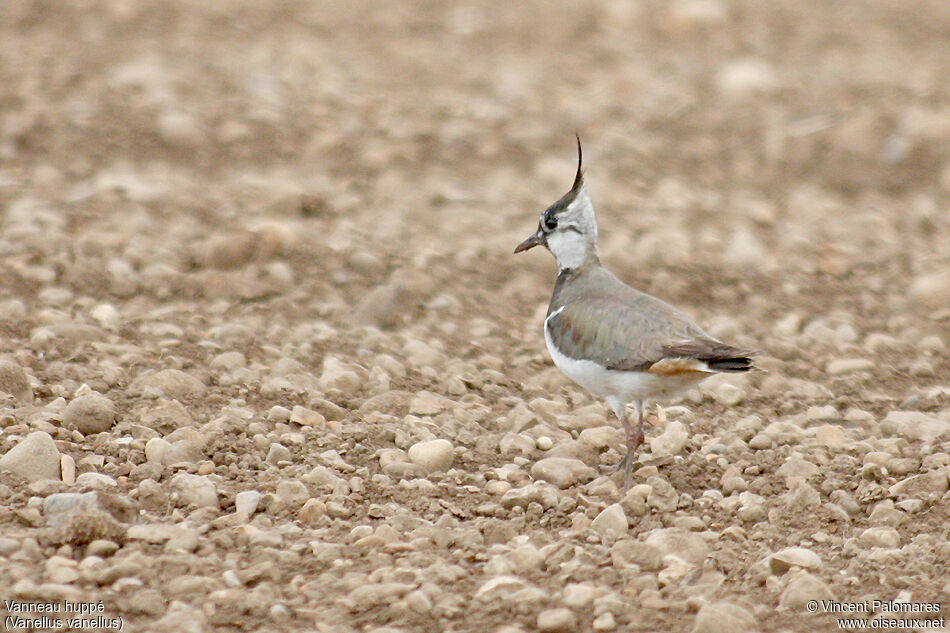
[623, 345]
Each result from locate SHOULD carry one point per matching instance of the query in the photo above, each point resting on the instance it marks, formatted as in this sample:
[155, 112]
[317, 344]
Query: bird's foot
[625, 465]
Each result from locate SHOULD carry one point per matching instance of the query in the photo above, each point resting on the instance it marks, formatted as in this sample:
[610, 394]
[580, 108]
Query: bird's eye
[549, 222]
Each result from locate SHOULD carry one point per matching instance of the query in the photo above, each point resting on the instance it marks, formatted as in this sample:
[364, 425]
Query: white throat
[571, 249]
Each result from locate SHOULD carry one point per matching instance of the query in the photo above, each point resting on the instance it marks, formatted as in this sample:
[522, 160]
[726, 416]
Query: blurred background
[781, 135]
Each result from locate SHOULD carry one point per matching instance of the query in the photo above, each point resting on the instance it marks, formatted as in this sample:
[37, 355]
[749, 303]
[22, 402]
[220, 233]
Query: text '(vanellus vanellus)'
[617, 342]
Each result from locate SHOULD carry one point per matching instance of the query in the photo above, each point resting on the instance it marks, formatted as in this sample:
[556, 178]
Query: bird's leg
[634, 437]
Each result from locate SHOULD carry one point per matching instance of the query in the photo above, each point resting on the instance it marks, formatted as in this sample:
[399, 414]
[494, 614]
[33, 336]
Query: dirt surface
[276, 238]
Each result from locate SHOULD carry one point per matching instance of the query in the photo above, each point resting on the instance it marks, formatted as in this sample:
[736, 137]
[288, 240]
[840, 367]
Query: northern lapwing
[619, 343]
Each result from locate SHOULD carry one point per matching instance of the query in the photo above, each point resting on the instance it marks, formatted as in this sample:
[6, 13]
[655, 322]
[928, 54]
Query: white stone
[841, 366]
[34, 457]
[724, 617]
[559, 620]
[671, 440]
[563, 472]
[195, 490]
[781, 561]
[612, 521]
[801, 588]
[246, 502]
[432, 455]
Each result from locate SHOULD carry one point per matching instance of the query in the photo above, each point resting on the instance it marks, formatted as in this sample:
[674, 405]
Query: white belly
[620, 386]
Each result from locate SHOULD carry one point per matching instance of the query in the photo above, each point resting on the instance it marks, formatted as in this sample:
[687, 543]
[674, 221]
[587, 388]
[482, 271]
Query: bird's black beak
[531, 242]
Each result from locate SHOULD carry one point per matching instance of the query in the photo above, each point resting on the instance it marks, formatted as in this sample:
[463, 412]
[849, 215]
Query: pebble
[915, 425]
[67, 467]
[671, 440]
[432, 455]
[626, 552]
[563, 472]
[781, 561]
[842, 366]
[305, 417]
[195, 490]
[90, 413]
[312, 511]
[830, 436]
[98, 481]
[425, 403]
[277, 453]
[382, 306]
[802, 587]
[247, 501]
[34, 457]
[931, 291]
[686, 545]
[170, 383]
[180, 128]
[561, 620]
[611, 522]
[292, 494]
[545, 443]
[743, 78]
[340, 376]
[880, 536]
[724, 617]
[663, 496]
[14, 381]
[604, 622]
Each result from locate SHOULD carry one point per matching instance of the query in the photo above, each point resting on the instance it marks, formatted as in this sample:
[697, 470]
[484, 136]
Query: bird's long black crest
[579, 178]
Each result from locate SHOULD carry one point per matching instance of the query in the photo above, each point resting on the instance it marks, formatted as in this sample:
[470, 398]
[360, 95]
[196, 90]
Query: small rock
[663, 496]
[381, 306]
[931, 291]
[780, 562]
[671, 440]
[724, 617]
[277, 453]
[612, 521]
[195, 490]
[292, 494]
[246, 502]
[801, 588]
[57, 506]
[97, 481]
[563, 472]
[156, 449]
[627, 552]
[306, 417]
[830, 436]
[886, 537]
[686, 545]
[432, 455]
[14, 381]
[180, 129]
[340, 376]
[604, 622]
[425, 403]
[67, 467]
[557, 621]
[34, 457]
[90, 413]
[841, 366]
[312, 511]
[915, 425]
[171, 383]
[742, 78]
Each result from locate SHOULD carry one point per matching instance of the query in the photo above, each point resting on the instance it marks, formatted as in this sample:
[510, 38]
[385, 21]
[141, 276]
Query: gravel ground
[267, 362]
